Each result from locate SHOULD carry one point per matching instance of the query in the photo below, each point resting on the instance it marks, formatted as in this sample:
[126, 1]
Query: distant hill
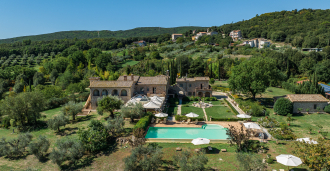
[136, 32]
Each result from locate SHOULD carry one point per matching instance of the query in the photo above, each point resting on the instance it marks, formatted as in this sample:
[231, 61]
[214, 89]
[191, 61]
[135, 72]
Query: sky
[33, 17]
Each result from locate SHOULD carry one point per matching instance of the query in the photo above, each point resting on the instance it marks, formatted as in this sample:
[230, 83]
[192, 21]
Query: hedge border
[231, 107]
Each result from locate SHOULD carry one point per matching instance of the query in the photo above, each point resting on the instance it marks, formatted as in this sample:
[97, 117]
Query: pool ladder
[203, 126]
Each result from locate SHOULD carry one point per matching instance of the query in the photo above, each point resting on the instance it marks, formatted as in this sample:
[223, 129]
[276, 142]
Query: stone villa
[307, 101]
[127, 87]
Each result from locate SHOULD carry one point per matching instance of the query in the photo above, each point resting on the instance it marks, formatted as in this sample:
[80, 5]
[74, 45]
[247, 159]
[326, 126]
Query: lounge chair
[188, 122]
[157, 121]
[152, 120]
[164, 120]
[281, 169]
[196, 121]
[183, 121]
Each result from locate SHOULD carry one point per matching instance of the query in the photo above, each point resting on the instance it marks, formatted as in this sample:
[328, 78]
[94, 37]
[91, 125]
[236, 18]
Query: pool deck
[192, 125]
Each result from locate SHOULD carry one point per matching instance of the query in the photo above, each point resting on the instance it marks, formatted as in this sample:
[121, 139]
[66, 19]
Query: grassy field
[99, 162]
[219, 112]
[221, 84]
[128, 62]
[186, 110]
[274, 91]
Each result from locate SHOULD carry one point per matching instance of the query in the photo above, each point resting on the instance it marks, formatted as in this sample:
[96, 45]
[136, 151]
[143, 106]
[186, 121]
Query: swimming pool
[209, 131]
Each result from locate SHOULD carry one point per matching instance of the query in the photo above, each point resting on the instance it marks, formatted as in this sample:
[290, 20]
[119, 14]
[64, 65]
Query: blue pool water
[209, 131]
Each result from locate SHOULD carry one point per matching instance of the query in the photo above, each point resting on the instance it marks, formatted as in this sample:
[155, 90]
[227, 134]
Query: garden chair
[183, 121]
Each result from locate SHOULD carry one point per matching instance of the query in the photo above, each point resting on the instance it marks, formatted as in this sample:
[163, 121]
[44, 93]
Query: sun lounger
[182, 122]
[165, 120]
[157, 121]
[188, 121]
[196, 121]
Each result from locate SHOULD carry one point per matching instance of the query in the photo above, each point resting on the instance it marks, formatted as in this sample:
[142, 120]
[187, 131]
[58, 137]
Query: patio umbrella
[243, 116]
[192, 115]
[161, 115]
[307, 140]
[288, 160]
[251, 125]
[199, 141]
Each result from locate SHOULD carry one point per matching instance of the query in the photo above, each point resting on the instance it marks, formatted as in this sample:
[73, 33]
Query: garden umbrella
[251, 125]
[199, 141]
[243, 116]
[307, 140]
[288, 160]
[161, 115]
[192, 115]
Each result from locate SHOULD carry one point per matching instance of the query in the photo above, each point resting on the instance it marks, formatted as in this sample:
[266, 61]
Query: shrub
[282, 134]
[213, 99]
[268, 122]
[270, 161]
[6, 122]
[207, 99]
[232, 108]
[212, 81]
[327, 109]
[186, 99]
[39, 147]
[15, 147]
[257, 110]
[228, 119]
[67, 149]
[143, 122]
[283, 106]
[180, 117]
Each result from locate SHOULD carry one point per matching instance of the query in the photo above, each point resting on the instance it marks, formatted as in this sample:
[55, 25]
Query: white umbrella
[243, 116]
[199, 141]
[307, 140]
[192, 115]
[288, 160]
[161, 115]
[251, 125]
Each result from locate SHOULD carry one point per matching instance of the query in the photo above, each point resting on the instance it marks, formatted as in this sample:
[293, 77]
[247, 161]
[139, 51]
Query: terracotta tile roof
[307, 98]
[299, 82]
[153, 80]
[111, 84]
[194, 79]
[129, 78]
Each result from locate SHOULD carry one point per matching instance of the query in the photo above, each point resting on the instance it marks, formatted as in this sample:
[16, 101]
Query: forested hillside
[303, 28]
[136, 32]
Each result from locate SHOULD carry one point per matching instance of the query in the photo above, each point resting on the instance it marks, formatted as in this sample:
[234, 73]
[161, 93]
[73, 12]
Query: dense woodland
[137, 32]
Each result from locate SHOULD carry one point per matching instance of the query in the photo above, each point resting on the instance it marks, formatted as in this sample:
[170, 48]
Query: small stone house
[308, 101]
[197, 86]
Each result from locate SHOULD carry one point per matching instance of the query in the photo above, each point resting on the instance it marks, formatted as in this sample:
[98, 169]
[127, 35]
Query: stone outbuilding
[308, 101]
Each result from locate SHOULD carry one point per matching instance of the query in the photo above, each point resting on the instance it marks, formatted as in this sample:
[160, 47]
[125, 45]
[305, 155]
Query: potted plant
[299, 110]
[318, 109]
[307, 110]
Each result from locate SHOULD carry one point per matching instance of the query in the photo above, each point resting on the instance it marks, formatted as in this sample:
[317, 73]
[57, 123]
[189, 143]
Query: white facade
[264, 43]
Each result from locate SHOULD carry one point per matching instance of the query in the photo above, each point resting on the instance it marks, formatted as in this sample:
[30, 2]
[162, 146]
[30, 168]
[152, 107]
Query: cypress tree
[219, 70]
[211, 70]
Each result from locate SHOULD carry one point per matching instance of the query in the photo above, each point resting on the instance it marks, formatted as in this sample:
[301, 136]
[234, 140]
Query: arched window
[96, 93]
[115, 92]
[123, 93]
[104, 92]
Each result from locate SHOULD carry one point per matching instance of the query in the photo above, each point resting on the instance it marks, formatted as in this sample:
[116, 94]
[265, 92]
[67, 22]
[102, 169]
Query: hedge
[228, 119]
[143, 122]
[231, 106]
[183, 117]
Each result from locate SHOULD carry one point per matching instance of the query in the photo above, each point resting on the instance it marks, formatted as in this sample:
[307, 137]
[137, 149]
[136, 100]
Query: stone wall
[309, 105]
[148, 89]
[110, 91]
[189, 87]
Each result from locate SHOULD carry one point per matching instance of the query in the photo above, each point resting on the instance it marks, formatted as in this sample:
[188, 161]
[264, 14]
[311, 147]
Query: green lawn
[274, 91]
[186, 110]
[128, 62]
[219, 112]
[173, 110]
[221, 84]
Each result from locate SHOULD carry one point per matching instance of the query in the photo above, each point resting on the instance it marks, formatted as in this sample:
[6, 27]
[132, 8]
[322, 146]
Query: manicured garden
[186, 110]
[219, 112]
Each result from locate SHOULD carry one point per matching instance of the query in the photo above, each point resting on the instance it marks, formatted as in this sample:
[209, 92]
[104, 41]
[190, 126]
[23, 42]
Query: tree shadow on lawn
[40, 125]
[84, 118]
[84, 162]
[111, 148]
[69, 129]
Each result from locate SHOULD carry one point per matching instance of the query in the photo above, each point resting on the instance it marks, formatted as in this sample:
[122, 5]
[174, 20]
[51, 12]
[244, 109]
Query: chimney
[125, 77]
[132, 77]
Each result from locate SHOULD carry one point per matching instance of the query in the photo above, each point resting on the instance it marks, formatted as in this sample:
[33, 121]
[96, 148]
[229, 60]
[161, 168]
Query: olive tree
[132, 111]
[67, 149]
[188, 161]
[109, 104]
[15, 147]
[39, 147]
[72, 109]
[57, 121]
[144, 158]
